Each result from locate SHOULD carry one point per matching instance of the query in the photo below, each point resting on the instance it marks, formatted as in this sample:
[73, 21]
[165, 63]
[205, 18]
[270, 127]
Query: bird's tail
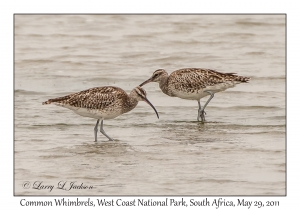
[242, 79]
[234, 77]
[59, 99]
[47, 102]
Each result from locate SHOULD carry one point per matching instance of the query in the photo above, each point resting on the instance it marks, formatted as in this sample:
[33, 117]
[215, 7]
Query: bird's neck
[163, 84]
[131, 104]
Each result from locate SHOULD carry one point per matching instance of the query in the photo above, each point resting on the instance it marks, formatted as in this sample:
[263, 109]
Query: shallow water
[240, 150]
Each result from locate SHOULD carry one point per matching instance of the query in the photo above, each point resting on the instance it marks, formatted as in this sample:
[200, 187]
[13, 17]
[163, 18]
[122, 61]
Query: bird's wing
[94, 98]
[198, 78]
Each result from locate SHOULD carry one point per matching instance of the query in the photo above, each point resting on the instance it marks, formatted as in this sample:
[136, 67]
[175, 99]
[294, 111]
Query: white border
[8, 8]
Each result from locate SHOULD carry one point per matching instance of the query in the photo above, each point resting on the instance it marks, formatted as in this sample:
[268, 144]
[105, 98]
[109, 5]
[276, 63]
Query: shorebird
[102, 103]
[194, 84]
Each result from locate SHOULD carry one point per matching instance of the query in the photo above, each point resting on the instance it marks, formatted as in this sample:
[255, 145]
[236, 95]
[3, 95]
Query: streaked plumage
[195, 83]
[102, 103]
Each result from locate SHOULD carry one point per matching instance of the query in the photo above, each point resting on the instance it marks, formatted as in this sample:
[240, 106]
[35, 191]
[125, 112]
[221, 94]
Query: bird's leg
[200, 113]
[202, 110]
[96, 130]
[211, 96]
[103, 132]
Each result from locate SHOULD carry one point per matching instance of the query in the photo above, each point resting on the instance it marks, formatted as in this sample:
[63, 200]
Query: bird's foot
[201, 114]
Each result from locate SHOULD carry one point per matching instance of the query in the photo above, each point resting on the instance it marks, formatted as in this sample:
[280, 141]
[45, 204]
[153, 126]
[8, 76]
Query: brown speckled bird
[194, 84]
[102, 103]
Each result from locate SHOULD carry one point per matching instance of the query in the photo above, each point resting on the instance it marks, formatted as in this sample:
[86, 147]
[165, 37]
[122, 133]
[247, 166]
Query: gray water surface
[240, 150]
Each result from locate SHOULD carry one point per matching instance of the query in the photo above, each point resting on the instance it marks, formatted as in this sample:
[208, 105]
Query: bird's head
[157, 76]
[140, 94]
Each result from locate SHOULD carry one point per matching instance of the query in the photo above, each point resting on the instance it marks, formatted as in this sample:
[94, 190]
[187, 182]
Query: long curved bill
[147, 81]
[148, 102]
